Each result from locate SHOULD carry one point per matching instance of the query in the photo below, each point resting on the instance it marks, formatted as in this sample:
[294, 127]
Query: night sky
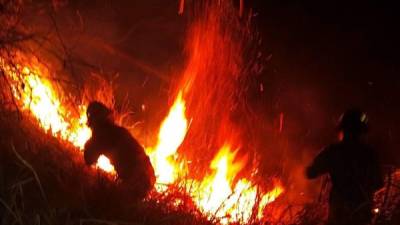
[333, 55]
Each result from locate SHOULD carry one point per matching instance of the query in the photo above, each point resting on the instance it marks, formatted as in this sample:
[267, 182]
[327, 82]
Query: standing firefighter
[132, 165]
[354, 171]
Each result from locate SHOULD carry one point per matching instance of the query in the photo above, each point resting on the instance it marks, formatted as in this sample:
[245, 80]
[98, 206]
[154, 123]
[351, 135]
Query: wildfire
[218, 197]
[36, 95]
[172, 133]
[212, 77]
[215, 195]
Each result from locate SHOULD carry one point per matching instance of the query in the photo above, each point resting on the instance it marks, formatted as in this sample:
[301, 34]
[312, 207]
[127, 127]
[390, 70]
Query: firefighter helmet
[97, 111]
[354, 121]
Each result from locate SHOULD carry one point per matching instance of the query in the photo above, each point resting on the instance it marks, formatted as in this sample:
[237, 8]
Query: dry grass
[43, 181]
[46, 182]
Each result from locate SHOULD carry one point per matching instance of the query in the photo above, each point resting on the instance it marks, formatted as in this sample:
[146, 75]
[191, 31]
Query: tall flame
[172, 133]
[216, 195]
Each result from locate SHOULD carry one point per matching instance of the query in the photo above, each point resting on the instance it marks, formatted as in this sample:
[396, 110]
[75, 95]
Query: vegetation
[44, 180]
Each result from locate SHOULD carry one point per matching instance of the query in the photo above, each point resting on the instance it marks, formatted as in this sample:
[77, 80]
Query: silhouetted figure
[132, 165]
[354, 171]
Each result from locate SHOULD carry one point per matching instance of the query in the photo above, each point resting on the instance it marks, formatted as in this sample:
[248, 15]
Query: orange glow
[172, 133]
[217, 196]
[268, 198]
[211, 94]
[221, 194]
[214, 194]
[104, 163]
[36, 95]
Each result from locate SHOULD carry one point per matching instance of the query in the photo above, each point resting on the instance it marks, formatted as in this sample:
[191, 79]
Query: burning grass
[223, 189]
[215, 195]
[44, 122]
[212, 197]
[50, 156]
[45, 182]
[44, 178]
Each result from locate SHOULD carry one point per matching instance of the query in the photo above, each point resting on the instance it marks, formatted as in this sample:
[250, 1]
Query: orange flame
[268, 198]
[172, 133]
[37, 95]
[215, 195]
[104, 163]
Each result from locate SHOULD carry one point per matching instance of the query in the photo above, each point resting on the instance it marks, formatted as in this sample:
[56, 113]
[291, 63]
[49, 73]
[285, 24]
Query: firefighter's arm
[319, 165]
[91, 152]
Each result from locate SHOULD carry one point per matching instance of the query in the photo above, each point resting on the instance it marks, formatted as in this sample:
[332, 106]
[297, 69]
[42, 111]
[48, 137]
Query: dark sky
[331, 55]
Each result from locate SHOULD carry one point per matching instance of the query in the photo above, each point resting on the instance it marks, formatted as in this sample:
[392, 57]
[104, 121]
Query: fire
[172, 133]
[212, 86]
[268, 198]
[104, 163]
[215, 195]
[218, 197]
[36, 95]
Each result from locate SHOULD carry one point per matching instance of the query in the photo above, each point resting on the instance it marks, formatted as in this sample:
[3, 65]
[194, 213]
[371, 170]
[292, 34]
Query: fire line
[215, 194]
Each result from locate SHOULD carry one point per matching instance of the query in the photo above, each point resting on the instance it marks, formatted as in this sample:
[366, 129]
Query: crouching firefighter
[131, 163]
[354, 172]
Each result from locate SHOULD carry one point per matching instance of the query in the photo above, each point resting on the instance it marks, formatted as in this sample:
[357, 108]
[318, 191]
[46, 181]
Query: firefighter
[132, 165]
[353, 169]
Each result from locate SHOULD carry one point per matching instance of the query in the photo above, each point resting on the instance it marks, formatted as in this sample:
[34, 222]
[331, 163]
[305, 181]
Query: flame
[217, 197]
[172, 133]
[213, 76]
[216, 189]
[36, 94]
[214, 196]
[269, 197]
[104, 163]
